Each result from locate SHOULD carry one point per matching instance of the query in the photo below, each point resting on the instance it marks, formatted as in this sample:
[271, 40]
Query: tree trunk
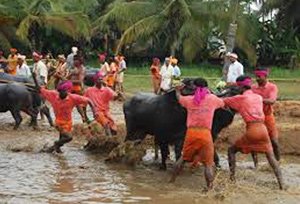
[230, 42]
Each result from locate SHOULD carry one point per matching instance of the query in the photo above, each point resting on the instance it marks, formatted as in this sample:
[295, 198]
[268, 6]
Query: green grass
[288, 90]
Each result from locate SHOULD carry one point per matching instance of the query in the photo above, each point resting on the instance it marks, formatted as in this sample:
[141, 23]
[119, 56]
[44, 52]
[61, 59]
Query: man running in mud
[198, 144]
[77, 76]
[269, 93]
[101, 96]
[63, 103]
[256, 139]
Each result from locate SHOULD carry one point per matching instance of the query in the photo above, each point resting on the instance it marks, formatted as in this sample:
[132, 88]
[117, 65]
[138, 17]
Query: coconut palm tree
[50, 14]
[178, 25]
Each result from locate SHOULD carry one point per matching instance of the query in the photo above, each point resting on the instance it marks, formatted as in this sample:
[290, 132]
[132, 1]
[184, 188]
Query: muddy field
[27, 176]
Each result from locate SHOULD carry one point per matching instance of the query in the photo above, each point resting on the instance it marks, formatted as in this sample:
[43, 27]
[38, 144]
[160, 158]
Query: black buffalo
[16, 98]
[163, 117]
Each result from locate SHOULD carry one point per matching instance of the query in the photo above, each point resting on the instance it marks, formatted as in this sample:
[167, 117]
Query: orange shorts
[198, 146]
[110, 80]
[271, 126]
[77, 89]
[63, 126]
[255, 139]
[104, 118]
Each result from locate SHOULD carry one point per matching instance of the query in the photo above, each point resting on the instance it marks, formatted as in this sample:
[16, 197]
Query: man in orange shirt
[198, 144]
[256, 138]
[63, 103]
[101, 96]
[269, 93]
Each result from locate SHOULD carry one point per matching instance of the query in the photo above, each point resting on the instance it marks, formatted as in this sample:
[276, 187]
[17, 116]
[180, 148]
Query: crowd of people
[254, 104]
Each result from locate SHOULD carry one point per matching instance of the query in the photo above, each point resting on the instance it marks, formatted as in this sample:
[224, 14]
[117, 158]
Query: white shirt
[70, 61]
[23, 70]
[166, 77]
[235, 70]
[40, 69]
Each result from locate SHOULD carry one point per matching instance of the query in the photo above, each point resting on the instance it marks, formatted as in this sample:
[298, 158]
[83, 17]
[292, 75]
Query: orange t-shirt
[100, 98]
[63, 107]
[249, 105]
[201, 115]
[269, 91]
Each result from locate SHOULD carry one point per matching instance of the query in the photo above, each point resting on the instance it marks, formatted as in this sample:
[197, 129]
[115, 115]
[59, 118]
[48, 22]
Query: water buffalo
[16, 98]
[163, 117]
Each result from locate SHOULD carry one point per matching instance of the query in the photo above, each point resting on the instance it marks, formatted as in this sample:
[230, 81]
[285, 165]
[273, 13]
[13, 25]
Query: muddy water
[27, 176]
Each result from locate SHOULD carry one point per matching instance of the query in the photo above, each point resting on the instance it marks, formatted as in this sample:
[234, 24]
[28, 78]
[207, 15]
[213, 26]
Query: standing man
[176, 72]
[39, 68]
[61, 71]
[255, 139]
[70, 58]
[155, 76]
[12, 62]
[77, 76]
[63, 103]
[198, 143]
[22, 68]
[120, 75]
[166, 73]
[101, 97]
[269, 93]
[235, 69]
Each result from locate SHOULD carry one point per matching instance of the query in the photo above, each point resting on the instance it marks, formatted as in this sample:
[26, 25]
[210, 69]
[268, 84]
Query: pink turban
[261, 73]
[65, 86]
[200, 94]
[102, 57]
[245, 82]
[36, 54]
[99, 75]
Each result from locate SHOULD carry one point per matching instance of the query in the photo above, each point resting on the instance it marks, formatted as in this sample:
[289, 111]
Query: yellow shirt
[12, 64]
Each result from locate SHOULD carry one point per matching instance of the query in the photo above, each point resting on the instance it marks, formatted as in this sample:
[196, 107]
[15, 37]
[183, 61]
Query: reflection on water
[68, 178]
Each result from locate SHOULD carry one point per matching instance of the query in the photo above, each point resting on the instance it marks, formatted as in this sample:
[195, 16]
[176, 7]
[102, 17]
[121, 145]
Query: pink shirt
[100, 97]
[63, 107]
[269, 91]
[249, 105]
[201, 115]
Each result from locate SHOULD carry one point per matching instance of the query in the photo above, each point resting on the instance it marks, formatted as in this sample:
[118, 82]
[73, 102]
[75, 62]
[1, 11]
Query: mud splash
[76, 176]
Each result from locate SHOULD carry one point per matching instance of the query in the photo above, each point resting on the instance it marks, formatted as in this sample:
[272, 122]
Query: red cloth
[198, 146]
[63, 125]
[100, 97]
[201, 115]
[269, 91]
[255, 139]
[63, 107]
[104, 118]
[271, 126]
[249, 105]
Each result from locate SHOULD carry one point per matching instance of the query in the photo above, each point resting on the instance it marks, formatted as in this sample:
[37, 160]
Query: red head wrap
[98, 75]
[263, 73]
[245, 82]
[65, 86]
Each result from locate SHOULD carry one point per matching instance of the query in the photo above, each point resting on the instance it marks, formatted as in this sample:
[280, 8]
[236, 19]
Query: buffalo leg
[156, 146]
[18, 118]
[232, 161]
[164, 154]
[45, 110]
[177, 169]
[178, 149]
[33, 114]
[217, 159]
[255, 159]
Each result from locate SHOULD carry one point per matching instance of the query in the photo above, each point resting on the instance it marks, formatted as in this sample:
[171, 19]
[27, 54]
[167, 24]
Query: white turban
[74, 50]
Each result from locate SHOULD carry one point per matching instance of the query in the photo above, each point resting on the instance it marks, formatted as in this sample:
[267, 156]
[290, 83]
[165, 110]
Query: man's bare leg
[274, 164]
[177, 169]
[209, 176]
[232, 161]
